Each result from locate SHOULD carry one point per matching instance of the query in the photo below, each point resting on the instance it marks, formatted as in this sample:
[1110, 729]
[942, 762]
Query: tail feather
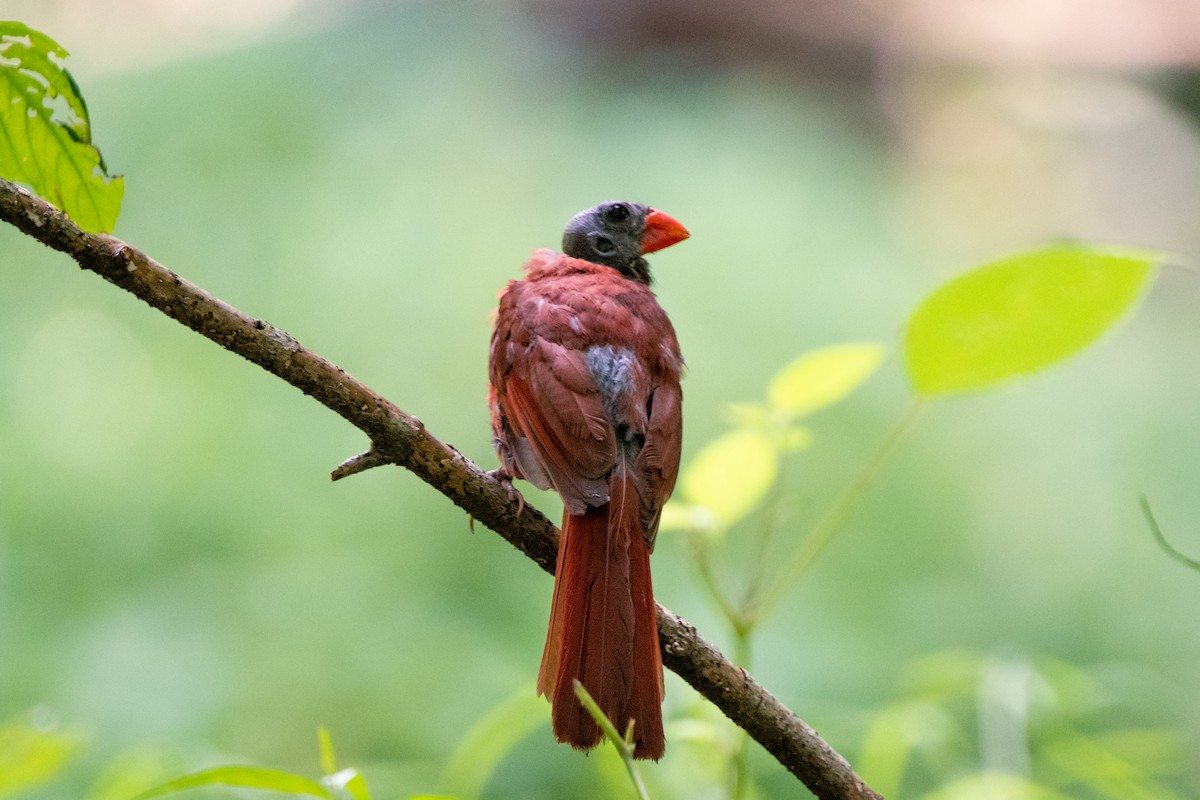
[603, 627]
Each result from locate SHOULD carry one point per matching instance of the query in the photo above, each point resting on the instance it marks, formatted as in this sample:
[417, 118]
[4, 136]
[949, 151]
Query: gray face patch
[613, 369]
[610, 234]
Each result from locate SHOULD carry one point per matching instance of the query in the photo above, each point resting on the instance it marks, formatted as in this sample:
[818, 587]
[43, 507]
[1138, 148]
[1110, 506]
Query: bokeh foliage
[204, 586]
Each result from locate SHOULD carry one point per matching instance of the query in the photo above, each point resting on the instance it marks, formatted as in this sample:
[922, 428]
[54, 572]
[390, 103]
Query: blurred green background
[180, 579]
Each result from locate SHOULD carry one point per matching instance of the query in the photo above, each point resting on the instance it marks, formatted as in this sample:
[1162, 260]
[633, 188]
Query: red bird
[584, 393]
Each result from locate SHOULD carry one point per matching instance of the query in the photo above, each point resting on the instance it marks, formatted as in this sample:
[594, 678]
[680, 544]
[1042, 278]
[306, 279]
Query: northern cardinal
[584, 394]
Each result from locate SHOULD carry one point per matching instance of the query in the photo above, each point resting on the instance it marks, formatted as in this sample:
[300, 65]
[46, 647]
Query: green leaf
[132, 772]
[1158, 751]
[328, 757]
[45, 134]
[750, 415]
[995, 786]
[242, 778]
[894, 733]
[347, 783]
[820, 378]
[731, 474]
[795, 439]
[678, 515]
[490, 739]
[1020, 314]
[1109, 774]
[30, 757]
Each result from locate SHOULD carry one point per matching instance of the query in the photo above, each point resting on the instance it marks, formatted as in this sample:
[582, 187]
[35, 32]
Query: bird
[584, 395]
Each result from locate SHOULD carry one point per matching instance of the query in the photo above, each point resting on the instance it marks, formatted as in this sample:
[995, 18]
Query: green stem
[743, 619]
[1162, 540]
[835, 516]
[700, 552]
[622, 744]
[741, 622]
[740, 762]
[771, 515]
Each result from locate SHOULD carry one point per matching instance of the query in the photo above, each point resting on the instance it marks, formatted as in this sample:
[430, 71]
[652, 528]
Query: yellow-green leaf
[731, 474]
[749, 415]
[1020, 314]
[795, 439]
[995, 786]
[242, 778]
[328, 756]
[347, 784]
[820, 378]
[30, 757]
[1109, 773]
[894, 733]
[678, 515]
[45, 134]
[134, 770]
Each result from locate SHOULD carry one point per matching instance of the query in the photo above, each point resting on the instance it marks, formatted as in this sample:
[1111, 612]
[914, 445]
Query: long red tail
[603, 627]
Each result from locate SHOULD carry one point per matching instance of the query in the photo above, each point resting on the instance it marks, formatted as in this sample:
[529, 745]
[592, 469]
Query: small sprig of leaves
[997, 322]
[45, 132]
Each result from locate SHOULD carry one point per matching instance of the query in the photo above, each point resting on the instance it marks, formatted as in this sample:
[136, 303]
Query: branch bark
[399, 438]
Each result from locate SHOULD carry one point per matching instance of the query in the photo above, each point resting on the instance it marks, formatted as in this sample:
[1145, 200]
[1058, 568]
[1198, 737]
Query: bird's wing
[550, 411]
[657, 465]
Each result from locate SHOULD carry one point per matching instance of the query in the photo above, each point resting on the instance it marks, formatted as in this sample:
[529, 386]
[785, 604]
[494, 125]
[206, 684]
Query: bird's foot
[506, 480]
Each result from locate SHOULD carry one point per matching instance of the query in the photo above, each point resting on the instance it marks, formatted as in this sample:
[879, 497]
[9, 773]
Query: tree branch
[399, 438]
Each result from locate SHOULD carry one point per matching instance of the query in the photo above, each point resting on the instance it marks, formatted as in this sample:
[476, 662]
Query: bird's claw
[506, 480]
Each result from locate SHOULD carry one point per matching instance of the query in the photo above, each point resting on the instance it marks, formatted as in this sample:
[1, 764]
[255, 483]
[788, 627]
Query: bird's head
[619, 234]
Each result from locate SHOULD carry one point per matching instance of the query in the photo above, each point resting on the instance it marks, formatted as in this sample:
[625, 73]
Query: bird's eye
[617, 212]
[604, 246]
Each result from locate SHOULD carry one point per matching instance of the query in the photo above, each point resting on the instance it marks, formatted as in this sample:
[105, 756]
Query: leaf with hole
[45, 134]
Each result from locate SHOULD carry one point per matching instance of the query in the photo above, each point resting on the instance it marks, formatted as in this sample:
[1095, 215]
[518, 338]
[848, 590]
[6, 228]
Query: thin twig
[360, 463]
[1169, 548]
[835, 516]
[402, 439]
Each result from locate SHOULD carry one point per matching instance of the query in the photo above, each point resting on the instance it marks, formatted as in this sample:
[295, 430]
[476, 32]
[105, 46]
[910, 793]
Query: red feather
[603, 427]
[603, 627]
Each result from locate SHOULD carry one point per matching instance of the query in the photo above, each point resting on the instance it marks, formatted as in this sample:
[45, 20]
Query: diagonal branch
[399, 438]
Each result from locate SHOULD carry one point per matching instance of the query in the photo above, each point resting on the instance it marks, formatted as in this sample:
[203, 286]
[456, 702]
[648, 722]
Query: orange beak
[661, 231]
